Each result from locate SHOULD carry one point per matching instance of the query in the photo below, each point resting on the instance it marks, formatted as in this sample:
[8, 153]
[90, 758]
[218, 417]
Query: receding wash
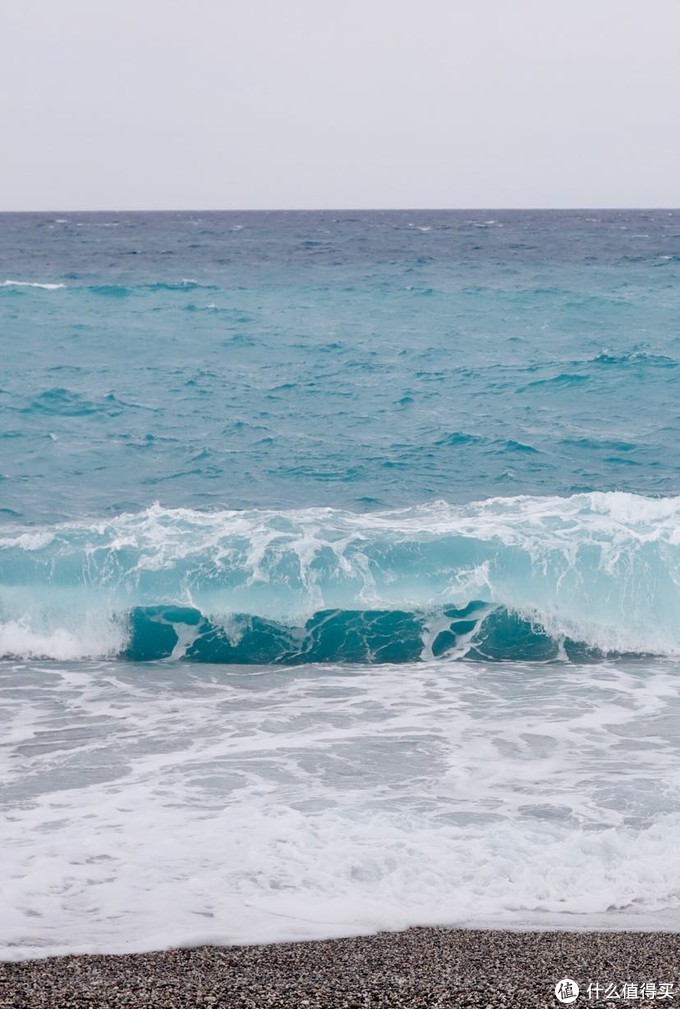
[339, 574]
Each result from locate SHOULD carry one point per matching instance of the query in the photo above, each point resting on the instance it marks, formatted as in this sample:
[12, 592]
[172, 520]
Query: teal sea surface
[339, 574]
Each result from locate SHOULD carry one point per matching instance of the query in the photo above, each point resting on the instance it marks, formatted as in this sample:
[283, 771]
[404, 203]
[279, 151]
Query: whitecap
[31, 283]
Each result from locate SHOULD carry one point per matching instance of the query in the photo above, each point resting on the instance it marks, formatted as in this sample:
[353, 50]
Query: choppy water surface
[339, 574]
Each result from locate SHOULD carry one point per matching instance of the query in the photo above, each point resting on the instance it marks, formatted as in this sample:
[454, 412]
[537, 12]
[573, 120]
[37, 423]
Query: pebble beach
[421, 968]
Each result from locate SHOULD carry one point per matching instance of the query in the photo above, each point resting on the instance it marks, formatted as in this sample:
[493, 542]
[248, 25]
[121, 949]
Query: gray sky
[112, 104]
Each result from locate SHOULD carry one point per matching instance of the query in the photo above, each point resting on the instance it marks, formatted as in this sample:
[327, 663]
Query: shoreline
[420, 968]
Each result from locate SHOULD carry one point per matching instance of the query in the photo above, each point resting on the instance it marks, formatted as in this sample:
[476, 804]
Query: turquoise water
[352, 538]
[293, 360]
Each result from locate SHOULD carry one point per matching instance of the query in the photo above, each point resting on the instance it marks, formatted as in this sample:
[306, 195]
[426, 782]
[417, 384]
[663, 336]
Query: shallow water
[169, 804]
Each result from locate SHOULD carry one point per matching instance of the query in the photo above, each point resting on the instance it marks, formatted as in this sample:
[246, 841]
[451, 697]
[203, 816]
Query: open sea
[339, 574]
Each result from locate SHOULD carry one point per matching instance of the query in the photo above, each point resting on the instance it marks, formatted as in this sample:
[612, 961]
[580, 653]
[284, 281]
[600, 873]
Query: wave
[119, 290]
[30, 283]
[478, 631]
[528, 578]
[123, 290]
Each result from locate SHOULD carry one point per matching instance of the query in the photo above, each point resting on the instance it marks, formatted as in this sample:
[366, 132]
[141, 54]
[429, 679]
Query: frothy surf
[524, 578]
[153, 808]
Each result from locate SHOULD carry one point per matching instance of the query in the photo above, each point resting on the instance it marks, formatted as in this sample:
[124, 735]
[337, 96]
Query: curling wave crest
[532, 578]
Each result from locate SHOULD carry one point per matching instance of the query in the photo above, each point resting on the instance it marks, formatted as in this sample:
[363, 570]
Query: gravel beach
[421, 968]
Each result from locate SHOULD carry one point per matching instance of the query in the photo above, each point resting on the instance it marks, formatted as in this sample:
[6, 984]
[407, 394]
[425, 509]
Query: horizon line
[339, 210]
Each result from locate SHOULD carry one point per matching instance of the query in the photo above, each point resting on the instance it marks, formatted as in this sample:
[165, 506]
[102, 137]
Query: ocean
[339, 574]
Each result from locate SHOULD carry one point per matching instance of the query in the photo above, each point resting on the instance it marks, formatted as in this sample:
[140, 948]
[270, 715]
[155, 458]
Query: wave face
[524, 578]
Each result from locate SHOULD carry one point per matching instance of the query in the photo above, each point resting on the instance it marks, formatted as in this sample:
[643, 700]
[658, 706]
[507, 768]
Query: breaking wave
[30, 283]
[528, 578]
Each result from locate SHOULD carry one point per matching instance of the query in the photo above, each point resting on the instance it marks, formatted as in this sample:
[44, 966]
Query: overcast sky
[113, 104]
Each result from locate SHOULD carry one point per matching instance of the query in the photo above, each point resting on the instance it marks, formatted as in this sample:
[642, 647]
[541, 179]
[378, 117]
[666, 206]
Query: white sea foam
[31, 283]
[79, 635]
[152, 809]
